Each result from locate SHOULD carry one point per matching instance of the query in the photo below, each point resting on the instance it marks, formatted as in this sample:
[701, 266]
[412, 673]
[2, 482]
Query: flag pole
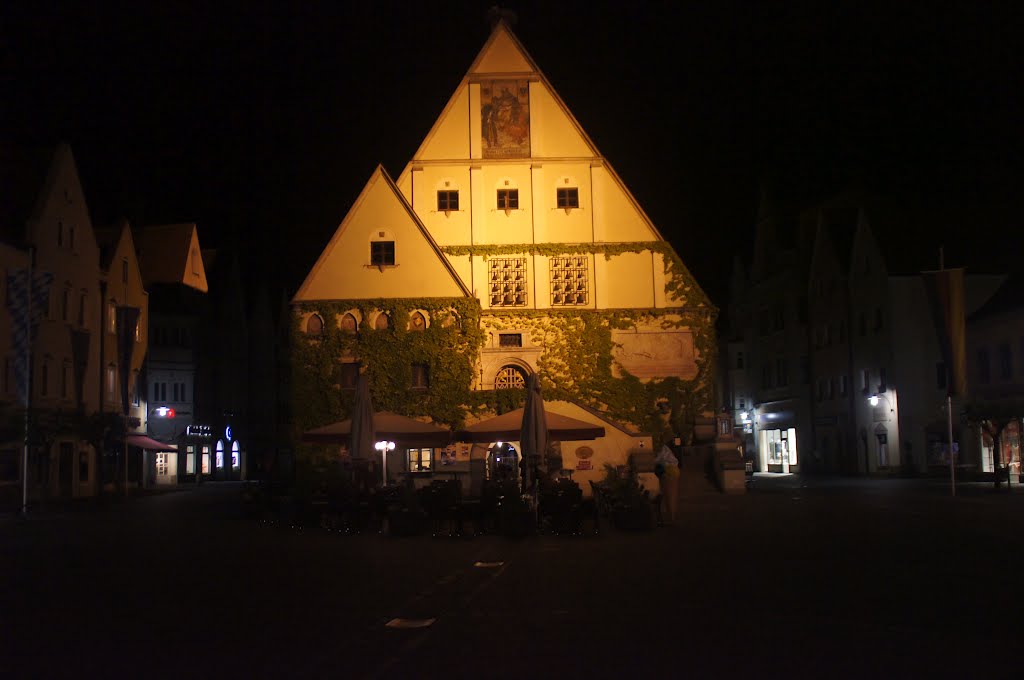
[28, 385]
[949, 402]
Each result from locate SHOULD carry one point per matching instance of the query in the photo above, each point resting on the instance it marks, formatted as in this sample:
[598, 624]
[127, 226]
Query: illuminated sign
[198, 431]
[164, 412]
[227, 433]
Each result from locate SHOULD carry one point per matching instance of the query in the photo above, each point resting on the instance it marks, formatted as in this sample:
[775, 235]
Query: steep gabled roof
[504, 56]
[169, 253]
[342, 271]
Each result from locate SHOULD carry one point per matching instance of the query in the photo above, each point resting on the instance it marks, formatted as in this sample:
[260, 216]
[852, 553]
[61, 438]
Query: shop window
[161, 465]
[507, 281]
[420, 460]
[205, 469]
[190, 460]
[220, 455]
[569, 281]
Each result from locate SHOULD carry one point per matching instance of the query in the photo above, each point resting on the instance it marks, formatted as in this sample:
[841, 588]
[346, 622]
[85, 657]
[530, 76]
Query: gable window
[507, 281]
[508, 199]
[567, 197]
[314, 325]
[447, 200]
[510, 340]
[569, 285]
[382, 253]
[420, 376]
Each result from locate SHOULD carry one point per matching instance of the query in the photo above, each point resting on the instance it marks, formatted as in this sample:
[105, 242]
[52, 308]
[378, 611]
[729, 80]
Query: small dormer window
[382, 253]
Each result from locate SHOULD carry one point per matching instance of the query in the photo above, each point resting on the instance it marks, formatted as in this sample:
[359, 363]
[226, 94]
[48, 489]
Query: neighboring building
[995, 370]
[868, 398]
[508, 245]
[174, 274]
[47, 221]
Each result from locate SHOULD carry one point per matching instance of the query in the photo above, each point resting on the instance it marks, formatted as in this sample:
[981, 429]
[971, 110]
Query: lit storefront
[775, 431]
[778, 450]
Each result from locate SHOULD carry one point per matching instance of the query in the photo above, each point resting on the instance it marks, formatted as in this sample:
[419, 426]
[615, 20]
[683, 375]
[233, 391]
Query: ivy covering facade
[575, 363]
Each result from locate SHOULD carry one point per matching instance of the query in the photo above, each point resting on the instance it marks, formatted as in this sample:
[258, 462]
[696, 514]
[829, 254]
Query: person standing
[667, 465]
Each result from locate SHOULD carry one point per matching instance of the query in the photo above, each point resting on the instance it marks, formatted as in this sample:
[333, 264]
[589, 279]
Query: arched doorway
[502, 462]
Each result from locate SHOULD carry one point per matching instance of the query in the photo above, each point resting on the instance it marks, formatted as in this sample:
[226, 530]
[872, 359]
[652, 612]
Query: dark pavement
[795, 579]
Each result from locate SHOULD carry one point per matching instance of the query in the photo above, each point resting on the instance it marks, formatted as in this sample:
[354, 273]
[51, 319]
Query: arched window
[314, 325]
[417, 322]
[381, 322]
[349, 323]
[236, 452]
[220, 454]
[509, 377]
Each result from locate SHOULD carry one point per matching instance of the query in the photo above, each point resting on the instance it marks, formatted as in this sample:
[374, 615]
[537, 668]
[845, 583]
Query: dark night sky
[268, 117]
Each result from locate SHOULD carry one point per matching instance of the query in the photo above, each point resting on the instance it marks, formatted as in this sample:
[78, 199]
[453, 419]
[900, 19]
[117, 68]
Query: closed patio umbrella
[362, 433]
[533, 434]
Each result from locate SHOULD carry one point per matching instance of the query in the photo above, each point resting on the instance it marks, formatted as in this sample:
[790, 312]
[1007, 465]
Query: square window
[348, 375]
[508, 199]
[568, 197]
[382, 253]
[447, 200]
[420, 376]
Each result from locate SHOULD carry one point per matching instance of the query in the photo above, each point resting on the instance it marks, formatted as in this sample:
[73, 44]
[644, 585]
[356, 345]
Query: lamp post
[384, 447]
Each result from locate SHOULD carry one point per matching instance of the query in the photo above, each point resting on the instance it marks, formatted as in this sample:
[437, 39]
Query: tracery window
[509, 377]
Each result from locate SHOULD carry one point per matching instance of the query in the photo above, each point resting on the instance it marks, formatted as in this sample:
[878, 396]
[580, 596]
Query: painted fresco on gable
[505, 118]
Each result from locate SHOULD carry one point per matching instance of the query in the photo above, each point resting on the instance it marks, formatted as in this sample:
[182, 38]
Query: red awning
[141, 441]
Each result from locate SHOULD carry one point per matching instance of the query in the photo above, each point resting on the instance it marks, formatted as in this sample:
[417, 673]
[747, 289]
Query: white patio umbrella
[533, 435]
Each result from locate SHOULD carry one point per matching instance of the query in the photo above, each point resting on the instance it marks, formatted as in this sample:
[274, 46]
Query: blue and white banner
[24, 320]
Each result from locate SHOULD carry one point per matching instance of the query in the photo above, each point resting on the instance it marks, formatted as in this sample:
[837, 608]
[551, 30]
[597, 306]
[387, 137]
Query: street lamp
[873, 400]
[384, 447]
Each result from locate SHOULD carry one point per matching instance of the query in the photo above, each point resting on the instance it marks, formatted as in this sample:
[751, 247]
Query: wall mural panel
[505, 118]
